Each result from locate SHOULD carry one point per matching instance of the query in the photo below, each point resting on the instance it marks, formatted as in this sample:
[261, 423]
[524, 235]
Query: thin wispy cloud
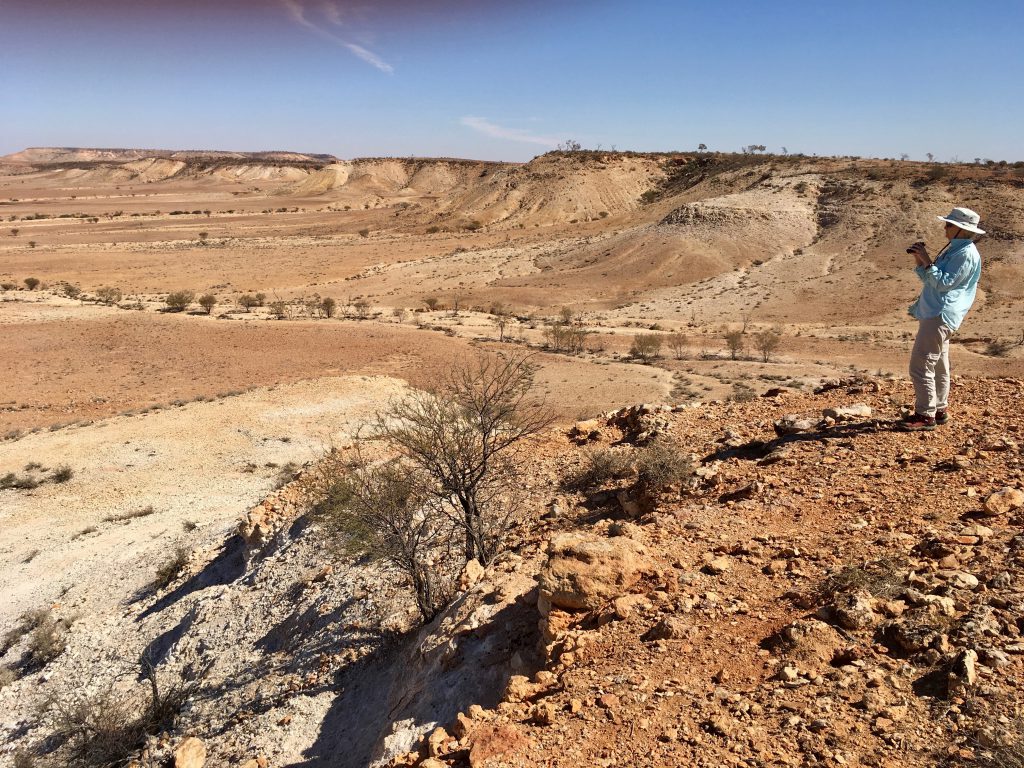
[486, 127]
[332, 13]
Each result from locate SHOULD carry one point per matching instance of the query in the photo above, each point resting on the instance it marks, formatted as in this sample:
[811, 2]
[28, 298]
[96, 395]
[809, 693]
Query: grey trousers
[929, 366]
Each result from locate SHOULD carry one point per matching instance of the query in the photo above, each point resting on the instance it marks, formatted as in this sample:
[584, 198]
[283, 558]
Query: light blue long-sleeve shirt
[950, 284]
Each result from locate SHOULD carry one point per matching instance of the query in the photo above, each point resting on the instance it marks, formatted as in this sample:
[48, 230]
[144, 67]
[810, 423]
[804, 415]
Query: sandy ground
[203, 463]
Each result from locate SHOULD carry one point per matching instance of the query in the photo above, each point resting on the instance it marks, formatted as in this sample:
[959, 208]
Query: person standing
[950, 283]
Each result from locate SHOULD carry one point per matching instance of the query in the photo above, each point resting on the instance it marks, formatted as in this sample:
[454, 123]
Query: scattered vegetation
[31, 283]
[601, 466]
[133, 515]
[106, 728]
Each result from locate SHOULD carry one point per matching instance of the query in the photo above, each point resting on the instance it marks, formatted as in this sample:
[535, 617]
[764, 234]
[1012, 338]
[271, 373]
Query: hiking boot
[941, 416]
[917, 422]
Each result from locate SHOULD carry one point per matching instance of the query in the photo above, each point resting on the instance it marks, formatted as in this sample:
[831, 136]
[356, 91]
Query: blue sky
[506, 81]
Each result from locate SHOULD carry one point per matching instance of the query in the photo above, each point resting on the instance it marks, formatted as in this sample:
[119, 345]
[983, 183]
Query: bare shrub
[399, 314]
[742, 393]
[169, 570]
[362, 308]
[464, 440]
[18, 482]
[566, 335]
[285, 475]
[108, 295]
[62, 474]
[105, 728]
[386, 512]
[677, 343]
[645, 347]
[882, 578]
[133, 515]
[660, 464]
[1002, 347]
[432, 302]
[179, 301]
[601, 466]
[46, 636]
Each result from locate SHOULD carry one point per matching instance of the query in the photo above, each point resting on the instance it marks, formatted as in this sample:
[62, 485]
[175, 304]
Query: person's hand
[920, 251]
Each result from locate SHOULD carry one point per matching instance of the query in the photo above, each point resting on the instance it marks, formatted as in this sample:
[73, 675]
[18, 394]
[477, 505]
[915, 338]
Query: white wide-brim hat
[964, 218]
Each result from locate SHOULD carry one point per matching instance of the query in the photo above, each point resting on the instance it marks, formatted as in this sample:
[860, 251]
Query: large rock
[584, 572]
[191, 753]
[493, 744]
[1003, 501]
[848, 412]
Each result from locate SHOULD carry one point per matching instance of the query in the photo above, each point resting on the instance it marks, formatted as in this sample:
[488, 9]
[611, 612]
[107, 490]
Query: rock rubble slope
[816, 588]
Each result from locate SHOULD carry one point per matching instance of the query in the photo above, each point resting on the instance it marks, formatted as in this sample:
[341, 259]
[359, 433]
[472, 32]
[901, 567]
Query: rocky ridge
[820, 590]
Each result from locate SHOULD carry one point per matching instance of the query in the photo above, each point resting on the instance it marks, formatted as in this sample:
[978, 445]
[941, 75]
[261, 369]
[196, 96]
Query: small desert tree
[179, 301]
[432, 302]
[362, 308]
[328, 306]
[399, 314]
[279, 309]
[464, 438]
[500, 320]
[677, 343]
[646, 346]
[248, 301]
[260, 299]
[202, 237]
[767, 342]
[31, 283]
[736, 341]
[208, 301]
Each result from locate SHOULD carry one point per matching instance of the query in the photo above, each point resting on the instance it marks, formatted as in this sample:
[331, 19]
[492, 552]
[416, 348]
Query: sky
[510, 79]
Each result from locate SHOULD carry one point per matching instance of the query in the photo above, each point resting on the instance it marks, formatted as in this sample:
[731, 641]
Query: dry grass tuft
[171, 568]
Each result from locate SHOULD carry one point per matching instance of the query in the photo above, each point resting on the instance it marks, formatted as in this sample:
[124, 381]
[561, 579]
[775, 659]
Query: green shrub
[179, 301]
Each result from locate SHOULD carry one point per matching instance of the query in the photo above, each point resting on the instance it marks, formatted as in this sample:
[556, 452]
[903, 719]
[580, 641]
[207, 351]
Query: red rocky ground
[848, 595]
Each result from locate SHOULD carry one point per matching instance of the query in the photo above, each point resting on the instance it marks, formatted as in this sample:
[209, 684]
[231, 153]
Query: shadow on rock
[228, 566]
[389, 698]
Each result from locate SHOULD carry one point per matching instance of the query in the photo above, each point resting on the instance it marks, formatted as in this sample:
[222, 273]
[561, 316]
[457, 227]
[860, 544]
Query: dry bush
[464, 439]
[742, 393]
[31, 282]
[108, 295]
[646, 346]
[285, 475]
[279, 309]
[677, 343]
[767, 342]
[601, 466]
[8, 675]
[133, 515]
[169, 570]
[328, 307]
[882, 578]
[661, 464]
[385, 512]
[247, 301]
[105, 729]
[62, 474]
[736, 342]
[18, 482]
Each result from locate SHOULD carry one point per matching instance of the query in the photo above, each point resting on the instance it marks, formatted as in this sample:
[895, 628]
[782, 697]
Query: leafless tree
[464, 438]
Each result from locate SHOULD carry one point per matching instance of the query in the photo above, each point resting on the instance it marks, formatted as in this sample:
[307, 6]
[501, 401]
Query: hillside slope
[842, 594]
